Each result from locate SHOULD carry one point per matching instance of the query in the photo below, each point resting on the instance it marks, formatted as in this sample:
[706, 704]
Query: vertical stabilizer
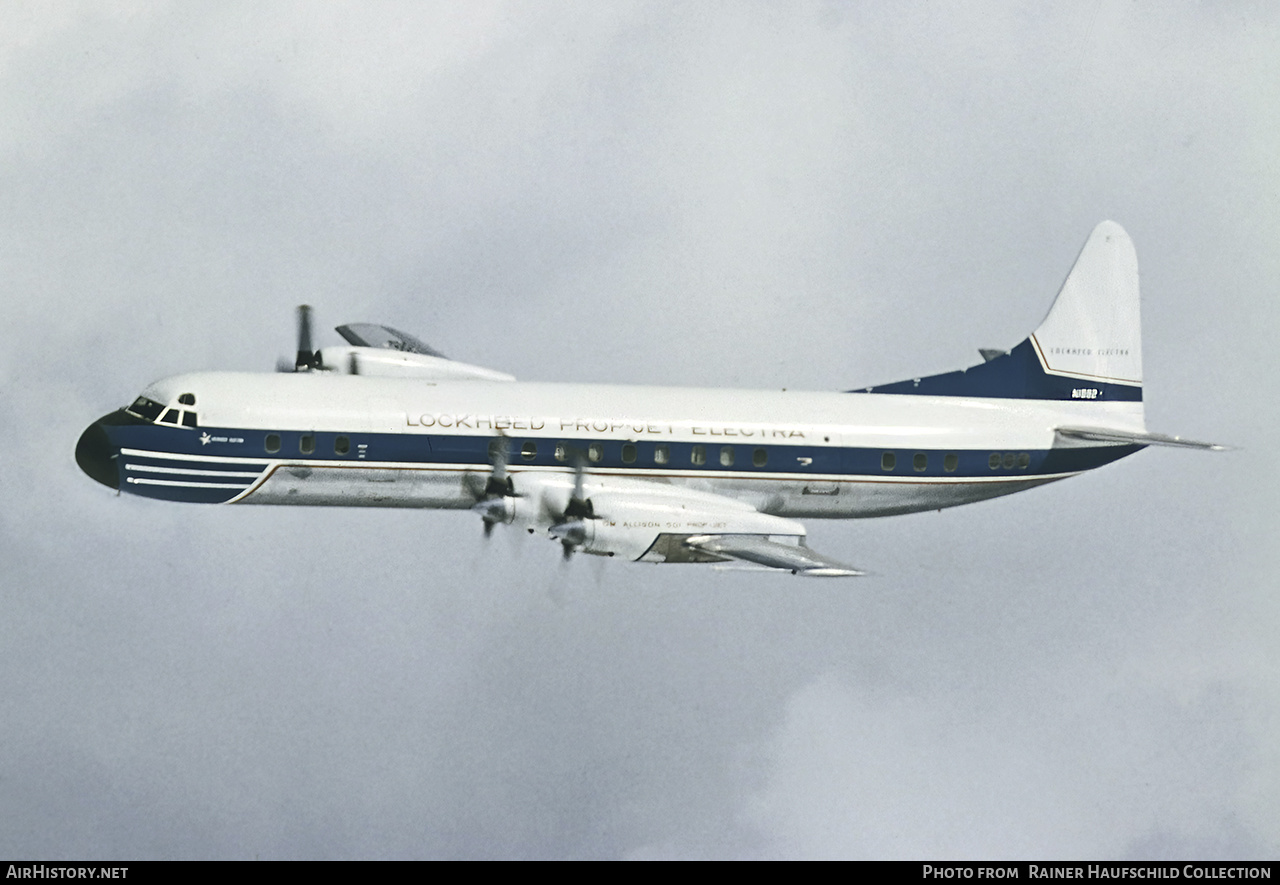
[1093, 331]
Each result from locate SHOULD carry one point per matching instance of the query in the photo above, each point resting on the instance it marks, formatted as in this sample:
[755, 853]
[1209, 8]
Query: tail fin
[1089, 346]
[1094, 331]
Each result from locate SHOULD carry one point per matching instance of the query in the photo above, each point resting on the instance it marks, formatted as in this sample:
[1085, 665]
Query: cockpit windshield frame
[147, 409]
[171, 416]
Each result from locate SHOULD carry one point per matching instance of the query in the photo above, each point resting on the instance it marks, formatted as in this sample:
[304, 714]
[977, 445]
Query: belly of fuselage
[414, 487]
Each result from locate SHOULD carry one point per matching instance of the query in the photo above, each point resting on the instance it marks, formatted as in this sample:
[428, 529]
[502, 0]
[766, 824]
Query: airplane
[652, 474]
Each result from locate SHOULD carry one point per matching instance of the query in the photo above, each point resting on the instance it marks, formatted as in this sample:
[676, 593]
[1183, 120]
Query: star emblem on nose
[204, 439]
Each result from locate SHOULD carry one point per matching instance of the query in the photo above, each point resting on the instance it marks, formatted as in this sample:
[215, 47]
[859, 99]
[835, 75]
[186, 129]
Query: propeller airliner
[674, 475]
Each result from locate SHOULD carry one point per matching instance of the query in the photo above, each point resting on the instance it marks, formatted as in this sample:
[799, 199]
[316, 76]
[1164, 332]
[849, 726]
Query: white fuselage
[414, 443]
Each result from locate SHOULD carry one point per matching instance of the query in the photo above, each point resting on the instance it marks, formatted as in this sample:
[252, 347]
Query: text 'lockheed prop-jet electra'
[654, 474]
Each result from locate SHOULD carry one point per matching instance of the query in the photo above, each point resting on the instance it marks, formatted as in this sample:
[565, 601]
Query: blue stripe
[200, 482]
[473, 452]
[160, 461]
[192, 494]
[1016, 375]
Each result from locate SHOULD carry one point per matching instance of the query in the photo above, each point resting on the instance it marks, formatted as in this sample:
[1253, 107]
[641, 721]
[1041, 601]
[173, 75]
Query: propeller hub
[494, 510]
[572, 532]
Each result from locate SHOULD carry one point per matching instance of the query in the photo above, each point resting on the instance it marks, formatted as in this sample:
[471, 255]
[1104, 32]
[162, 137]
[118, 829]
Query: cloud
[820, 196]
[856, 771]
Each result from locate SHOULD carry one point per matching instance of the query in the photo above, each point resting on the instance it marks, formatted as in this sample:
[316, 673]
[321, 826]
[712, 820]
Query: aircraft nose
[96, 456]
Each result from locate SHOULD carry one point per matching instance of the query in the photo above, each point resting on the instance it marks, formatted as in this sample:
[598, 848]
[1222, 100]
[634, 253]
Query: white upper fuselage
[329, 402]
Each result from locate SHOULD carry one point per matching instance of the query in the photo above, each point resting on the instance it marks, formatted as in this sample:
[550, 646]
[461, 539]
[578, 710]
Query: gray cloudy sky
[742, 194]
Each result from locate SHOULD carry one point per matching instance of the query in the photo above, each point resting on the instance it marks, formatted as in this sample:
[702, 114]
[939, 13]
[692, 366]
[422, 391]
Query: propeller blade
[496, 501]
[307, 358]
[571, 529]
[579, 471]
[499, 484]
[579, 507]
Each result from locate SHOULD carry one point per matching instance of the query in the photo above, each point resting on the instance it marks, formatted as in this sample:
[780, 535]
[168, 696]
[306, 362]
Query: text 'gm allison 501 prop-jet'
[655, 474]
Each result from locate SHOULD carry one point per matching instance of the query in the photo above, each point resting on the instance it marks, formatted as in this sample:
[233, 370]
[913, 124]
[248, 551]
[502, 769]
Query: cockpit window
[146, 408]
[152, 411]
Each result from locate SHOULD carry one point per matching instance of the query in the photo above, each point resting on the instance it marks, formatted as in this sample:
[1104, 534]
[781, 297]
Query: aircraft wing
[382, 350]
[374, 335]
[656, 522]
[795, 558]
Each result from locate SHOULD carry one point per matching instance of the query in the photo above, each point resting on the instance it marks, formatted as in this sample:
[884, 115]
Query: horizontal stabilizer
[772, 554]
[1099, 434]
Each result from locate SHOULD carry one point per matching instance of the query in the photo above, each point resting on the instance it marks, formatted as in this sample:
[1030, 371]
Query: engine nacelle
[632, 519]
[656, 532]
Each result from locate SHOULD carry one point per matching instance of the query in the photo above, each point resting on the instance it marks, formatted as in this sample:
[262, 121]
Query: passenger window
[888, 461]
[759, 457]
[562, 452]
[726, 456]
[170, 416]
[306, 444]
[595, 452]
[187, 399]
[628, 453]
[273, 443]
[341, 445]
[1024, 460]
[950, 463]
[698, 455]
[920, 462]
[188, 419]
[1008, 460]
[529, 450]
[661, 454]
[994, 461]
